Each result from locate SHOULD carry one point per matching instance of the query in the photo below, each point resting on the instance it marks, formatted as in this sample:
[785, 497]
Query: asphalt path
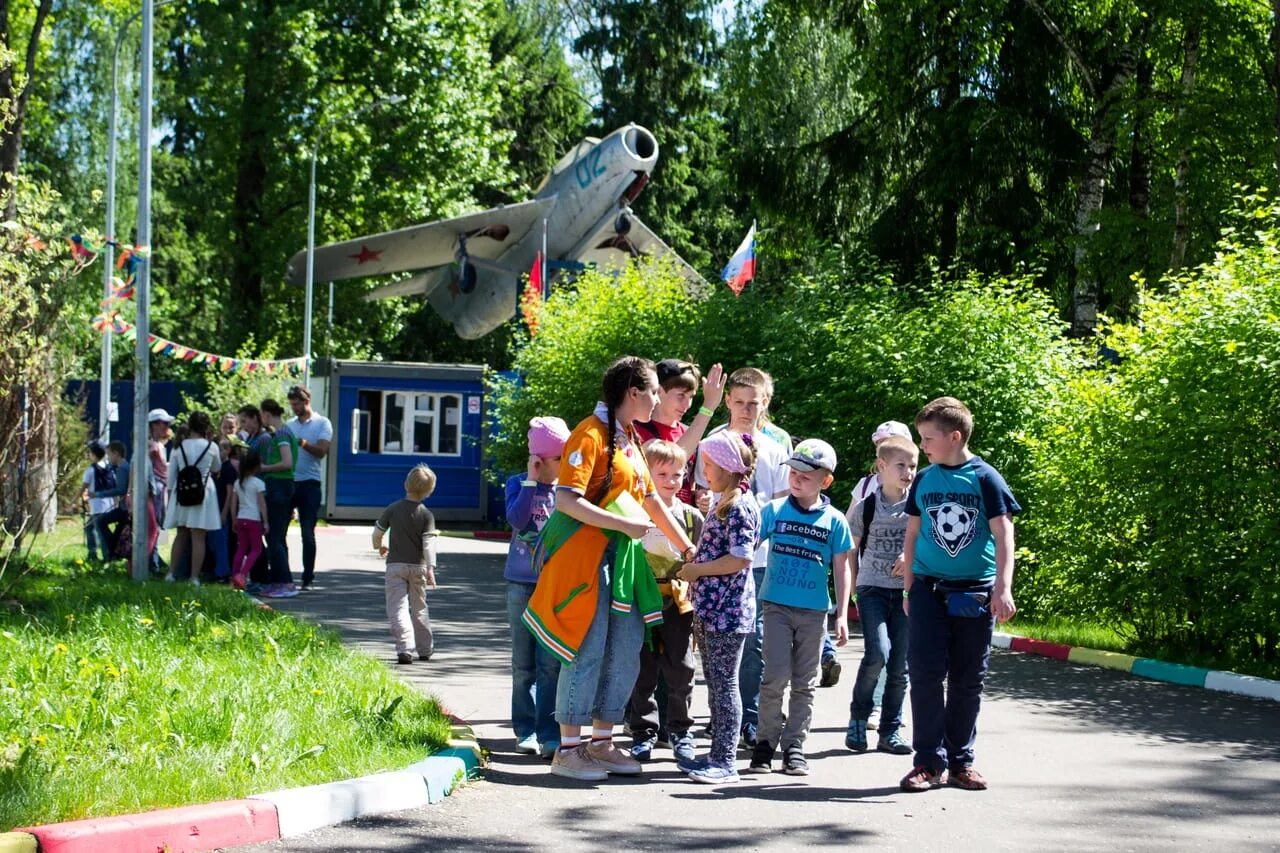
[1078, 758]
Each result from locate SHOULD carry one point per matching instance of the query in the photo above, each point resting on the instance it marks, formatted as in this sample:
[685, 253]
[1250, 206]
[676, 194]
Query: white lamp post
[311, 226]
[108, 251]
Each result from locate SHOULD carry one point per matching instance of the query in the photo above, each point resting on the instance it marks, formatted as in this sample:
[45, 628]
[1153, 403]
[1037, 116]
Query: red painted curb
[1057, 651]
[204, 827]
[496, 535]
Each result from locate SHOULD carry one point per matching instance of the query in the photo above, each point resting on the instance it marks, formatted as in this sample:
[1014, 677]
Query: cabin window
[408, 423]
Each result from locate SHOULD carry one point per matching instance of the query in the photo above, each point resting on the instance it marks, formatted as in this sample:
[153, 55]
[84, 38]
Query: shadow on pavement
[1243, 727]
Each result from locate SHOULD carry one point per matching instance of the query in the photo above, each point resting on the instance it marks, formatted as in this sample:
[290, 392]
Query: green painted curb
[1174, 673]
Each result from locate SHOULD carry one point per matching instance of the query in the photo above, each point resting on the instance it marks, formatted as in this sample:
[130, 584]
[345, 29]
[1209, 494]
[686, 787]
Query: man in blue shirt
[314, 433]
[808, 540]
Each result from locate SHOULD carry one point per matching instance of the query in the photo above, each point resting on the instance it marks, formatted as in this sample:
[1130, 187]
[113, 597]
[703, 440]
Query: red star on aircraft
[365, 255]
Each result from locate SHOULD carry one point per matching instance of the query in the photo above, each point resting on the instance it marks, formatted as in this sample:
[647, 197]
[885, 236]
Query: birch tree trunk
[1181, 228]
[1093, 185]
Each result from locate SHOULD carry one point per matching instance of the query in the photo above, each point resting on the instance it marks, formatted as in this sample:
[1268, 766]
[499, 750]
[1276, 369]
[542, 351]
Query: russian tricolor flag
[742, 266]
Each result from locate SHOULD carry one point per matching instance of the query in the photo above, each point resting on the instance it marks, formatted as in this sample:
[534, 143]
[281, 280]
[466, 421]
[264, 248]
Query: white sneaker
[873, 722]
[527, 745]
[613, 759]
[577, 764]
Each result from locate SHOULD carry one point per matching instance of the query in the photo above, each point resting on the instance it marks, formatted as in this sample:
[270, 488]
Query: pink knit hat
[547, 436]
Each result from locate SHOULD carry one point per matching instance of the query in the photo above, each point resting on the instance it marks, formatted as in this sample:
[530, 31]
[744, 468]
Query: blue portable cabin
[388, 417]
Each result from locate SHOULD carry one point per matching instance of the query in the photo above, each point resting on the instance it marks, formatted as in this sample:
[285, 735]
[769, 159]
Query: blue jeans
[951, 648]
[279, 510]
[306, 497]
[884, 638]
[95, 537]
[598, 684]
[217, 540]
[534, 672]
[751, 670]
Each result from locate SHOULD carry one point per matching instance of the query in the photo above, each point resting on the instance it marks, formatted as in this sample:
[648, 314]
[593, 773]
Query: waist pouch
[966, 600]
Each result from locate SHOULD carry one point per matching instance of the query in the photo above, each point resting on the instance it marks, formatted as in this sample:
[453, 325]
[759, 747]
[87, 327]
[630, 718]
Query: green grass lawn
[1070, 632]
[117, 697]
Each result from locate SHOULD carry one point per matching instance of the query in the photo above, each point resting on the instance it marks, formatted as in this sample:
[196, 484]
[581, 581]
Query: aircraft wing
[489, 233]
[609, 249]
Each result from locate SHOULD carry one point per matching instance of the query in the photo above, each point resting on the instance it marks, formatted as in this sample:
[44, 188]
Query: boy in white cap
[160, 429]
[866, 487]
[809, 539]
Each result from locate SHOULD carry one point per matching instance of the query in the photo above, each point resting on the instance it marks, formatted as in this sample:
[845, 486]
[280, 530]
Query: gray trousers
[792, 652]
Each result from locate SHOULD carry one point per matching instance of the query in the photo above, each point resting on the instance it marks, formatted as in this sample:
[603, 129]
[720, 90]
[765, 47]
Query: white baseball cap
[160, 415]
[889, 428]
[812, 454]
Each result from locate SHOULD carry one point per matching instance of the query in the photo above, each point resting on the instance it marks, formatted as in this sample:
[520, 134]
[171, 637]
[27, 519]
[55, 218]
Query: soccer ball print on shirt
[953, 526]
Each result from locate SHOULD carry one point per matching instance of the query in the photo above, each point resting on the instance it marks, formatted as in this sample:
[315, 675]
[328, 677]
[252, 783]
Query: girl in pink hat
[531, 498]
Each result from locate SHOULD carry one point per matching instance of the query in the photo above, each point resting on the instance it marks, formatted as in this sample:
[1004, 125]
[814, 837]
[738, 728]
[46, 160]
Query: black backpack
[868, 513]
[104, 478]
[190, 486]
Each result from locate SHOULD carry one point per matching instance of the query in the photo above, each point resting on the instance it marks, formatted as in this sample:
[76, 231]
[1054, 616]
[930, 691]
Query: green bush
[644, 310]
[1157, 481]
[846, 348]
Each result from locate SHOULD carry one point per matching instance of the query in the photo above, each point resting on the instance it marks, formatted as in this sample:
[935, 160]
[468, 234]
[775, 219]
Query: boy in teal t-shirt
[808, 540]
[958, 558]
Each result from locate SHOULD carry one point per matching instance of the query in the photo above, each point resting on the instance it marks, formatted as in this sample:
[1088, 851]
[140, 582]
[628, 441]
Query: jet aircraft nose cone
[640, 144]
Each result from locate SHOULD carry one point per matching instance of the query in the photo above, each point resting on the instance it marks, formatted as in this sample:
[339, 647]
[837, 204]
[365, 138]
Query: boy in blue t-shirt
[808, 539]
[958, 559]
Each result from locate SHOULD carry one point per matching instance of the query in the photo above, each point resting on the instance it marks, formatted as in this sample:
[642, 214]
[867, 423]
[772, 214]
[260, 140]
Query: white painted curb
[1001, 641]
[302, 810]
[1245, 685]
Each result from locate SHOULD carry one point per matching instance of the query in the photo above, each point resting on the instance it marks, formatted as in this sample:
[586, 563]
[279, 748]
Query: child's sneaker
[894, 744]
[873, 722]
[761, 758]
[642, 750]
[682, 747]
[831, 670]
[968, 779]
[237, 581]
[855, 737]
[401, 657]
[548, 748]
[714, 775]
[922, 779]
[793, 763]
[577, 764]
[527, 745]
[612, 759]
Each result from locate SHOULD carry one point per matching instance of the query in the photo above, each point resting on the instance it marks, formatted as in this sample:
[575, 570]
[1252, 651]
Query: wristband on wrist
[703, 410]
[528, 482]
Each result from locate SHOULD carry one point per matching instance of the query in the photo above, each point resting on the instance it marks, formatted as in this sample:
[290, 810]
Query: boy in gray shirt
[411, 564]
[879, 526]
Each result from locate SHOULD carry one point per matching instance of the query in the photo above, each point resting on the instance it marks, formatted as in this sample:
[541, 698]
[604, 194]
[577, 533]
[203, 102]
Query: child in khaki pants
[411, 564]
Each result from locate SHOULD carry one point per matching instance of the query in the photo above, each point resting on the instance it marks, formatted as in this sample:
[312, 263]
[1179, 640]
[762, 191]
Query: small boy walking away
[534, 670]
[879, 525]
[411, 564]
[958, 559]
[808, 541]
[98, 477]
[669, 654]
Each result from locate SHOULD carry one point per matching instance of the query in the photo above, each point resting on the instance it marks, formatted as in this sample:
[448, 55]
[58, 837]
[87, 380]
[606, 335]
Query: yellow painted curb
[1109, 660]
[17, 842]
[471, 745]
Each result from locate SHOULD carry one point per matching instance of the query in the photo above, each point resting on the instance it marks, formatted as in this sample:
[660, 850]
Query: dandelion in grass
[61, 649]
[10, 756]
[39, 740]
[145, 622]
[316, 691]
[112, 671]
